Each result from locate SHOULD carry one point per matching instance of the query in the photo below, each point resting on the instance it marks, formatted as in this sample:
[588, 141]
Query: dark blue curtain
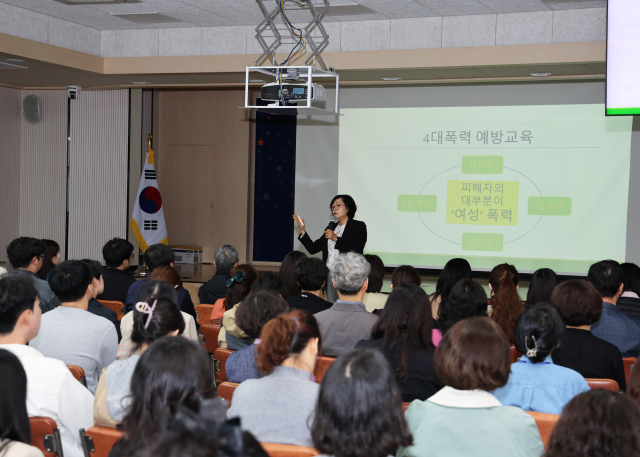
[274, 186]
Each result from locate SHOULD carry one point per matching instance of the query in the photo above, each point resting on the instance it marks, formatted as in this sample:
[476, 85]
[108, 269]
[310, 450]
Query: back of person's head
[359, 409]
[69, 281]
[156, 290]
[538, 331]
[22, 250]
[51, 250]
[14, 420]
[225, 257]
[154, 319]
[94, 266]
[349, 272]
[453, 271]
[541, 287]
[288, 270]
[506, 305]
[271, 282]
[157, 255]
[17, 295]
[405, 274]
[597, 423]
[474, 354]
[166, 273]
[376, 276]
[116, 251]
[578, 302]
[606, 277]
[406, 321]
[631, 277]
[311, 274]
[239, 284]
[466, 299]
[257, 309]
[172, 372]
[286, 336]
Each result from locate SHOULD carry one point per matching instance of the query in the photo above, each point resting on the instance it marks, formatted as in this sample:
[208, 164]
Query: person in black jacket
[117, 254]
[225, 259]
[344, 235]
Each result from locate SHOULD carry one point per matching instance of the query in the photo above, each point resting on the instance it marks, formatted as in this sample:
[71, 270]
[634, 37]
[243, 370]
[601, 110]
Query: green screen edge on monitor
[622, 111]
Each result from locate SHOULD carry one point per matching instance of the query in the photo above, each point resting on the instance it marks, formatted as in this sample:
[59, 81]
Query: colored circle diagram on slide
[150, 200]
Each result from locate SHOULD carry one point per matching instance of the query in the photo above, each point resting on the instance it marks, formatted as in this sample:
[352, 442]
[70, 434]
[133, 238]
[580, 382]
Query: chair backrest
[220, 360]
[288, 450]
[405, 406]
[226, 389]
[322, 365]
[117, 306]
[98, 441]
[204, 313]
[515, 354]
[629, 362]
[46, 436]
[545, 423]
[78, 373]
[210, 333]
[607, 384]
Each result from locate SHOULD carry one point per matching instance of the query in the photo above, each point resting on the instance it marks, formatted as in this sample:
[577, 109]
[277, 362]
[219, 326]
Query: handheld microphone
[332, 224]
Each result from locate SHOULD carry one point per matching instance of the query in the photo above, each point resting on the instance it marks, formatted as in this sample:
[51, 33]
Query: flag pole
[141, 271]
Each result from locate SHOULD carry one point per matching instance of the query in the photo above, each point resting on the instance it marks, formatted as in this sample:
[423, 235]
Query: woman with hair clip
[277, 408]
[15, 431]
[541, 287]
[169, 274]
[156, 318]
[535, 382]
[238, 287]
[453, 271]
[52, 258]
[404, 335]
[288, 272]
[506, 305]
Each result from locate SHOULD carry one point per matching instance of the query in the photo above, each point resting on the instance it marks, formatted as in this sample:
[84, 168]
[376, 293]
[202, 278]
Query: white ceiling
[215, 13]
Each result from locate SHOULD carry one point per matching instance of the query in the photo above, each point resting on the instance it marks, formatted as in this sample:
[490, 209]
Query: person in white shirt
[71, 333]
[51, 389]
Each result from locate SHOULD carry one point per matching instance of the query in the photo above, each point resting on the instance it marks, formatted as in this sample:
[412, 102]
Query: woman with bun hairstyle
[277, 408]
[238, 287]
[155, 318]
[506, 305]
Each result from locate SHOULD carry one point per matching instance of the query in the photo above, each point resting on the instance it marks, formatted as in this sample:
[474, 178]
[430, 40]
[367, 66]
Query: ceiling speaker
[32, 109]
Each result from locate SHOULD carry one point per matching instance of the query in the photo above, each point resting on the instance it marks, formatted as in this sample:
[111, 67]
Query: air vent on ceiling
[10, 66]
[345, 10]
[97, 2]
[146, 18]
[589, 3]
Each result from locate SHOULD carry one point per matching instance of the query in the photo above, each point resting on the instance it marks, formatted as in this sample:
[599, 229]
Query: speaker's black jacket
[353, 239]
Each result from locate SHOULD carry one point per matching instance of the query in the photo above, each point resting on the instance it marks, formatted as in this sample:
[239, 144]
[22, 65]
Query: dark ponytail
[164, 319]
[506, 305]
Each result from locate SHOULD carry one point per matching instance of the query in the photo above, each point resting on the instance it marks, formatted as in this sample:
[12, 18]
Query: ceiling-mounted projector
[292, 92]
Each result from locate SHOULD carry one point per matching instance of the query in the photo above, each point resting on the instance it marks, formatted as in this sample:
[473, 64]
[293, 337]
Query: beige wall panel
[43, 169]
[10, 115]
[98, 175]
[135, 159]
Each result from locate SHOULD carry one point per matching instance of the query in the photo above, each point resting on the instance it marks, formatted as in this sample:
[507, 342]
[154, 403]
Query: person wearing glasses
[344, 235]
[117, 254]
[26, 256]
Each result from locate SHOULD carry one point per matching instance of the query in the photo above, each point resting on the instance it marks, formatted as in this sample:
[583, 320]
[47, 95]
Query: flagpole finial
[149, 137]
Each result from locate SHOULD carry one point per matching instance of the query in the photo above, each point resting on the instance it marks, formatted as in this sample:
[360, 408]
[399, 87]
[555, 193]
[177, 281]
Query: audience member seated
[541, 286]
[453, 271]
[26, 256]
[155, 256]
[232, 336]
[466, 299]
[70, 333]
[238, 287]
[629, 300]
[171, 275]
[225, 259]
[311, 275]
[252, 315]
[15, 431]
[155, 318]
[52, 257]
[580, 305]
[374, 299]
[278, 407]
[52, 390]
[152, 290]
[288, 272]
[464, 418]
[405, 274]
[536, 383]
[614, 325]
[95, 307]
[506, 305]
[172, 373]
[404, 335]
[596, 423]
[347, 321]
[359, 409]
[117, 254]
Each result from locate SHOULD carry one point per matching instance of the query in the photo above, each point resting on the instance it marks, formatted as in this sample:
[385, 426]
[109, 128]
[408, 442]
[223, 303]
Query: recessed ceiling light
[11, 66]
[348, 9]
[14, 60]
[395, 78]
[147, 18]
[540, 74]
[256, 80]
[140, 82]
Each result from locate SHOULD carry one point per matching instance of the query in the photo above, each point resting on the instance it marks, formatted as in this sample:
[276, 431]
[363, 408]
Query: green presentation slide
[535, 186]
